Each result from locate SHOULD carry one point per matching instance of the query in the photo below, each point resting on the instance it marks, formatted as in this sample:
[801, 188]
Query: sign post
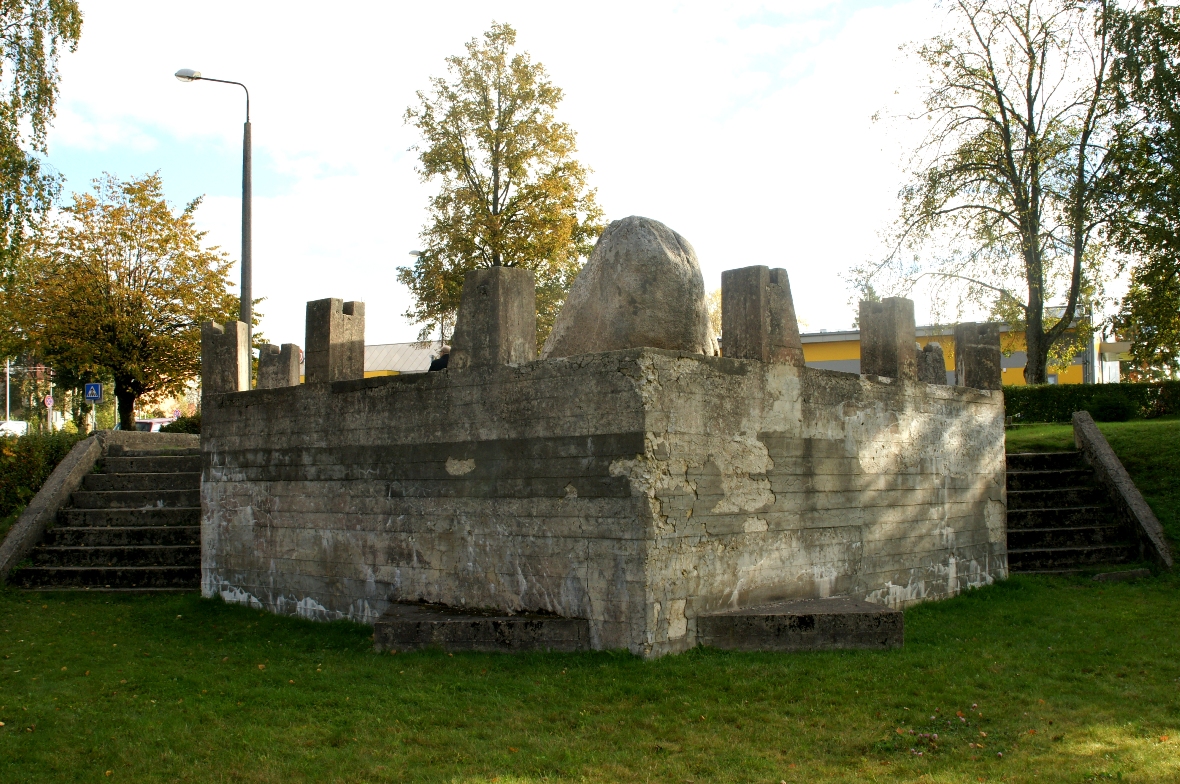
[49, 405]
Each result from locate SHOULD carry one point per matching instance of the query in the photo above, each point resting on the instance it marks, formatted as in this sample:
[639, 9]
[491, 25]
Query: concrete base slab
[415, 626]
[804, 625]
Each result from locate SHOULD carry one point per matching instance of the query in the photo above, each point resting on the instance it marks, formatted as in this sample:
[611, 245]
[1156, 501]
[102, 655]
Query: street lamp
[246, 311]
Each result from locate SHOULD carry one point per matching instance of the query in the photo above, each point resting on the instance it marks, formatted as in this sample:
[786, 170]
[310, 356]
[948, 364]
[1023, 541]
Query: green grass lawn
[1070, 680]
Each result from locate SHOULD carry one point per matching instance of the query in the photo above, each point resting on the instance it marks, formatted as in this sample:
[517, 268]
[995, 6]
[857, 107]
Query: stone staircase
[1060, 519]
[135, 525]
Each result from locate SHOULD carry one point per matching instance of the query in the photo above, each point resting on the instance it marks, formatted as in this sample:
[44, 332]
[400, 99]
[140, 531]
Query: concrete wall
[636, 488]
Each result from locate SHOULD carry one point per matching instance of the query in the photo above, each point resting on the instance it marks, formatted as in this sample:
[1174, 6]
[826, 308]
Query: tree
[1014, 177]
[510, 191]
[1147, 71]
[121, 283]
[33, 34]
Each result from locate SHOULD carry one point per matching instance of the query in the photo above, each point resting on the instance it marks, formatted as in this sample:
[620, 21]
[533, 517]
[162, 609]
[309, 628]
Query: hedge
[184, 424]
[1105, 402]
[26, 462]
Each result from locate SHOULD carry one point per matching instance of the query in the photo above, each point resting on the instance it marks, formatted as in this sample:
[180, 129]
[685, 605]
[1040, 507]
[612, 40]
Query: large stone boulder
[642, 286]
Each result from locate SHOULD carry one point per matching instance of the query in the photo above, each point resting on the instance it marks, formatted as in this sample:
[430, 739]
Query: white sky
[744, 126]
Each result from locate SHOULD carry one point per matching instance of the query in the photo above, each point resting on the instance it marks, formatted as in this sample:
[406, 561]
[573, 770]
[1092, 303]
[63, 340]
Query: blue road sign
[93, 393]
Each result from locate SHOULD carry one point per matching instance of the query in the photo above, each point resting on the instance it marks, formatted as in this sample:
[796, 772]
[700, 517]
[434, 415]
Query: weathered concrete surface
[931, 363]
[978, 359]
[635, 489]
[335, 339]
[804, 625]
[225, 358]
[887, 339]
[758, 316]
[497, 320]
[641, 286]
[278, 366]
[407, 627]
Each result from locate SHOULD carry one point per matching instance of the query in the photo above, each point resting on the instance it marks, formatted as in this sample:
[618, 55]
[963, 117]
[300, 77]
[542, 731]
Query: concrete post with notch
[887, 334]
[335, 338]
[225, 358]
[978, 359]
[931, 363]
[278, 366]
[497, 319]
[758, 316]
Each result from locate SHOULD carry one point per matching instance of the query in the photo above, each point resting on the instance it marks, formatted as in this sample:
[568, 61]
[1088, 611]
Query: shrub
[184, 424]
[1111, 407]
[1105, 402]
[26, 462]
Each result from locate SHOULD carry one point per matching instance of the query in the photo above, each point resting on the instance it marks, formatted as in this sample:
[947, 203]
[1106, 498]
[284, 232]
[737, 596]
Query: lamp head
[416, 253]
[188, 75]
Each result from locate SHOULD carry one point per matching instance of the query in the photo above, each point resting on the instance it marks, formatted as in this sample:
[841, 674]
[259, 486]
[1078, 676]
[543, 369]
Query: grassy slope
[1076, 681]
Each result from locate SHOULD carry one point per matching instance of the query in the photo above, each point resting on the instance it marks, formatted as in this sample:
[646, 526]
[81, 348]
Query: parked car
[152, 425]
[13, 427]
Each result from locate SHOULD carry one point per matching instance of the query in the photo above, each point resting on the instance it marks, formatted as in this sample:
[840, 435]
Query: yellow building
[841, 351]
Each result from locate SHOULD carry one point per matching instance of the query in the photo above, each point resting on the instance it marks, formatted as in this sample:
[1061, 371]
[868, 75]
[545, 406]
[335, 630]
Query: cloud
[744, 126]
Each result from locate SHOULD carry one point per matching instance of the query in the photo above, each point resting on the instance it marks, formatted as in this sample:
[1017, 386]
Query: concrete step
[804, 625]
[173, 555]
[405, 627]
[1063, 517]
[152, 465]
[1070, 557]
[140, 481]
[1079, 536]
[122, 577]
[123, 536]
[129, 518]
[1044, 461]
[1050, 480]
[1057, 498]
[115, 452]
[135, 499]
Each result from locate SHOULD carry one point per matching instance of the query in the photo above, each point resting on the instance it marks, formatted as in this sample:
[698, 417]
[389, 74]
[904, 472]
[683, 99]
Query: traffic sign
[92, 393]
[49, 401]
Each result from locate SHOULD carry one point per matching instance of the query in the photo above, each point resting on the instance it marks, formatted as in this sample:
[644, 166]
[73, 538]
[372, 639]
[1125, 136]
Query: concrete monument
[638, 497]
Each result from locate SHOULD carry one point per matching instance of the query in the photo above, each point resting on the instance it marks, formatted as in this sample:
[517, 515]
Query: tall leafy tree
[510, 192]
[1147, 225]
[33, 35]
[119, 285]
[1011, 189]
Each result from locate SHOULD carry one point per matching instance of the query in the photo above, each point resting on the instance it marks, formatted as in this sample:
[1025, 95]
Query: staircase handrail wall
[1122, 490]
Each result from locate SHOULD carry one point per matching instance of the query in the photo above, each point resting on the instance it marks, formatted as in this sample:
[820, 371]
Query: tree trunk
[126, 398]
[1036, 350]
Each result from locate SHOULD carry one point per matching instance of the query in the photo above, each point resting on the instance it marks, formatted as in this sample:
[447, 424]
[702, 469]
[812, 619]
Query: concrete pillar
[931, 363]
[225, 358]
[278, 366]
[758, 316]
[887, 339]
[978, 356]
[335, 338]
[497, 319]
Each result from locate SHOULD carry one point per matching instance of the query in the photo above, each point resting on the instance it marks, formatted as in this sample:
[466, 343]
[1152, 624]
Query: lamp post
[246, 311]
